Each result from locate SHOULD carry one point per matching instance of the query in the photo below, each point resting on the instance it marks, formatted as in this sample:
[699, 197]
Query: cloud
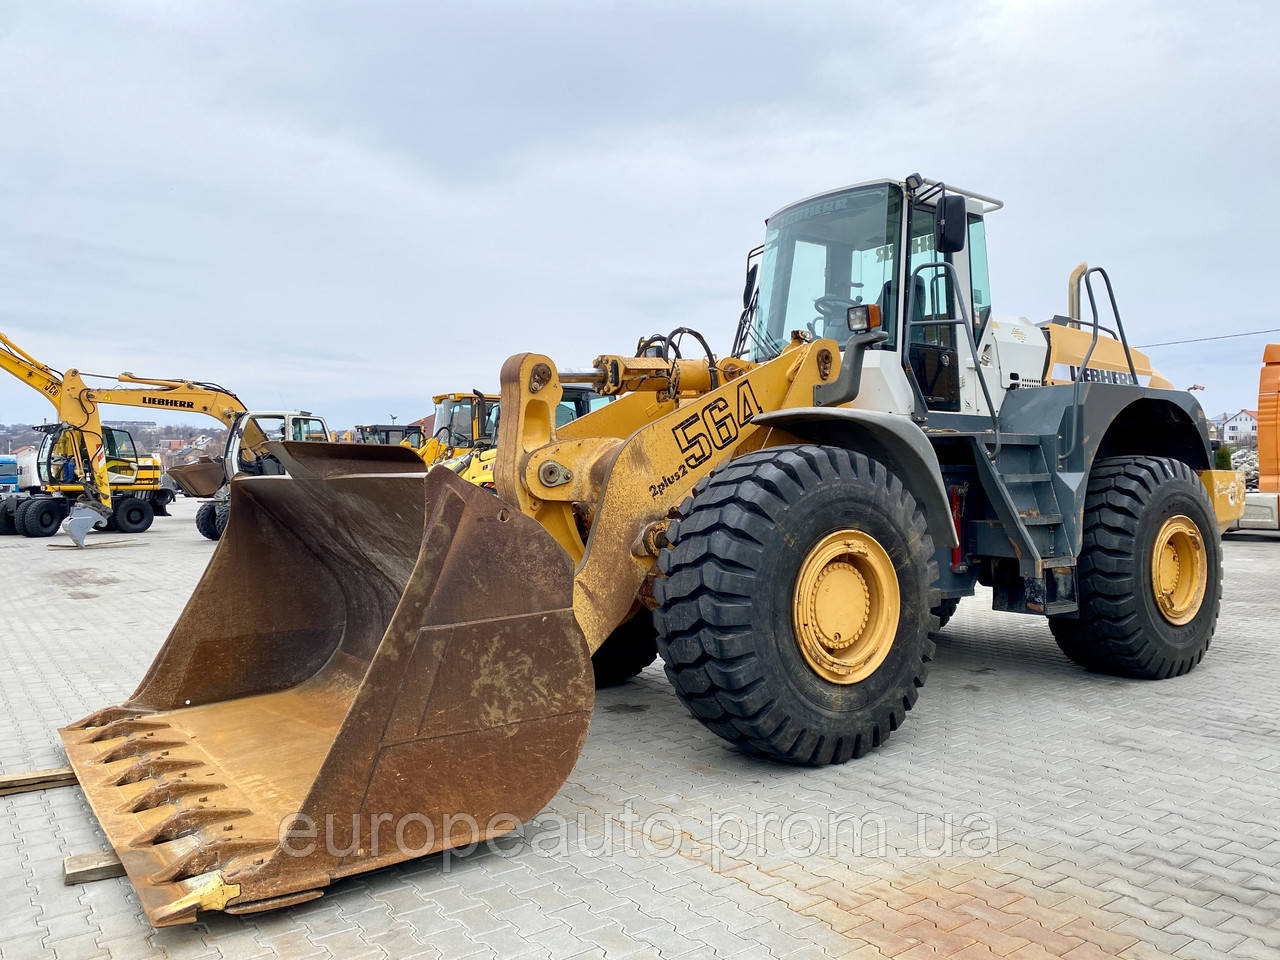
[350, 208]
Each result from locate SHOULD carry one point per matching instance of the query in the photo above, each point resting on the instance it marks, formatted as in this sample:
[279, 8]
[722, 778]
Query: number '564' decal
[715, 426]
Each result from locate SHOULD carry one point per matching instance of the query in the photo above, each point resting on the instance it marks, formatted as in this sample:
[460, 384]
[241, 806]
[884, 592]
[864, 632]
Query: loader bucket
[202, 478]
[373, 668]
[315, 459]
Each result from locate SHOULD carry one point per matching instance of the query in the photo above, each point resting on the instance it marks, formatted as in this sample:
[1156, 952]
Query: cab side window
[980, 282]
[933, 294]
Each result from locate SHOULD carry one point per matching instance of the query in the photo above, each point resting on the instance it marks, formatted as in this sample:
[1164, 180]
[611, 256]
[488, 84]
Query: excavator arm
[30, 371]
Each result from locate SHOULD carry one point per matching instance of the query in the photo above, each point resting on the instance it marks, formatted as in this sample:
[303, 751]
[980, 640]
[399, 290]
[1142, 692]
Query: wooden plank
[85, 867]
[36, 780]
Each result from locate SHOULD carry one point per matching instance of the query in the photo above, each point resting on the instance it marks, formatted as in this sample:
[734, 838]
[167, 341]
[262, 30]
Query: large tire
[207, 521]
[7, 509]
[40, 517]
[944, 611]
[1121, 629]
[627, 651]
[724, 620]
[133, 515]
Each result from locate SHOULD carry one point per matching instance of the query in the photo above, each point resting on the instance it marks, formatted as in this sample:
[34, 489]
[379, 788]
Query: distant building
[1241, 429]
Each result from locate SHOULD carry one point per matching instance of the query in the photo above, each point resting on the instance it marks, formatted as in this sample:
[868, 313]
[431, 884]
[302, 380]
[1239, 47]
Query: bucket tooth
[169, 791]
[145, 746]
[187, 822]
[122, 728]
[211, 856]
[100, 718]
[423, 668]
[150, 767]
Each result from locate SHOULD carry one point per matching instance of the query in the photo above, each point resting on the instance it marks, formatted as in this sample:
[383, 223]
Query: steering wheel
[450, 438]
[831, 310]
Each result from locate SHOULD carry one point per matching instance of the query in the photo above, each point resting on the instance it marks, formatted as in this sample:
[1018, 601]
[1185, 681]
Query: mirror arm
[844, 388]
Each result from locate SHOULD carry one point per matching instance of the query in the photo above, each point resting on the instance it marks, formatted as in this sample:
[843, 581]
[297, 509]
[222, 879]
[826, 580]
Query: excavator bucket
[375, 666]
[200, 478]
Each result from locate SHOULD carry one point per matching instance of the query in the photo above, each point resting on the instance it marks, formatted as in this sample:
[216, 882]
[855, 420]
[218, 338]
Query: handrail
[963, 320]
[1095, 324]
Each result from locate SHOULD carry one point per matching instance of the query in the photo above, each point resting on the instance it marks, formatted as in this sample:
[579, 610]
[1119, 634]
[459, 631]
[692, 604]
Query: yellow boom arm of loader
[604, 485]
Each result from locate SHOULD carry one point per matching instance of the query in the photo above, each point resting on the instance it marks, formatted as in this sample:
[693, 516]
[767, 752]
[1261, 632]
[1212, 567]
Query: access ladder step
[1040, 519]
[1025, 477]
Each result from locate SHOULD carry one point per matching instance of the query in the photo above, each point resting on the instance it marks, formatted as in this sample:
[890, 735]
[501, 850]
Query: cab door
[938, 353]
[122, 456]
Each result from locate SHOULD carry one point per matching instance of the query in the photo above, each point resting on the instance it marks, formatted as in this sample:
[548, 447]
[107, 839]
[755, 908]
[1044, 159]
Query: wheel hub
[845, 606]
[1179, 570]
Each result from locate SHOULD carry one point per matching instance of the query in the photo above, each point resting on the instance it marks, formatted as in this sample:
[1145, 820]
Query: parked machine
[789, 524]
[472, 455]
[244, 454]
[1262, 508]
[86, 471]
[70, 455]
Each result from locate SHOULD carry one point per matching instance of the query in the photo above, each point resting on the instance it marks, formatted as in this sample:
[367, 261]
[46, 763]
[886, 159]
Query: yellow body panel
[1226, 490]
[1068, 346]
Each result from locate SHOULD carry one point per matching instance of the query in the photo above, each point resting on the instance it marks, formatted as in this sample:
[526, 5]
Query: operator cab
[863, 245]
[63, 460]
[246, 450]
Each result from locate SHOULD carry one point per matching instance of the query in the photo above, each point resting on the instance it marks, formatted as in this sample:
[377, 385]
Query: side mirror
[750, 285]
[953, 222]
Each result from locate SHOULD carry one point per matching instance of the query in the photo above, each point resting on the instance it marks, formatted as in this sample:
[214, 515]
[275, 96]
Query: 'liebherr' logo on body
[166, 402]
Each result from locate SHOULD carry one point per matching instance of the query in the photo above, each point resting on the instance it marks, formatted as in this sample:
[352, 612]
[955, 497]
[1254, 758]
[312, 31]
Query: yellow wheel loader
[378, 665]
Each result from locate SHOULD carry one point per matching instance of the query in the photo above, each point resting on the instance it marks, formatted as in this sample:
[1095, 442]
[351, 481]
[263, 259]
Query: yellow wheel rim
[1179, 570]
[845, 608]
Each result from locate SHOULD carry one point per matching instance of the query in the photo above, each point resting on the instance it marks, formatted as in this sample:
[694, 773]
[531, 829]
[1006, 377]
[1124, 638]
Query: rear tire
[944, 611]
[207, 521]
[7, 525]
[725, 616]
[40, 517]
[627, 651]
[1121, 628]
[133, 515]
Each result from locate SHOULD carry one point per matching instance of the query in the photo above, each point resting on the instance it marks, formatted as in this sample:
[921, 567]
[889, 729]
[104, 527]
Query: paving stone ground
[1026, 810]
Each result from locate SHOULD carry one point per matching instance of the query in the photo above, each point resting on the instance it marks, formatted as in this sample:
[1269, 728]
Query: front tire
[133, 515]
[1150, 571]
[207, 521]
[755, 622]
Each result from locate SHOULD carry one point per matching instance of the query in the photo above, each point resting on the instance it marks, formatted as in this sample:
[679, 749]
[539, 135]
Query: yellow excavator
[87, 471]
[91, 475]
[794, 520]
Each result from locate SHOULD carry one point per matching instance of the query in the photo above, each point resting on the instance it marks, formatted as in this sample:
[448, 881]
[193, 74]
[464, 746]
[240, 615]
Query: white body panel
[1012, 351]
[884, 384]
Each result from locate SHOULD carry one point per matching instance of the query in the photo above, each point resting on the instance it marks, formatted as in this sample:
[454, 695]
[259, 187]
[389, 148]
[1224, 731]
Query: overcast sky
[348, 207]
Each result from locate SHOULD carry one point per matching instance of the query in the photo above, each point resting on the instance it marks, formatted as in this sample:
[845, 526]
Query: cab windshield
[821, 257]
[453, 422]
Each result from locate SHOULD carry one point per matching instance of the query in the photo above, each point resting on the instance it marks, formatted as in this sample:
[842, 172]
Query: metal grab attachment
[962, 320]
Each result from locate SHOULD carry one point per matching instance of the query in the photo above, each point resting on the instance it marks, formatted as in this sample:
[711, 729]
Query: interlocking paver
[1129, 820]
